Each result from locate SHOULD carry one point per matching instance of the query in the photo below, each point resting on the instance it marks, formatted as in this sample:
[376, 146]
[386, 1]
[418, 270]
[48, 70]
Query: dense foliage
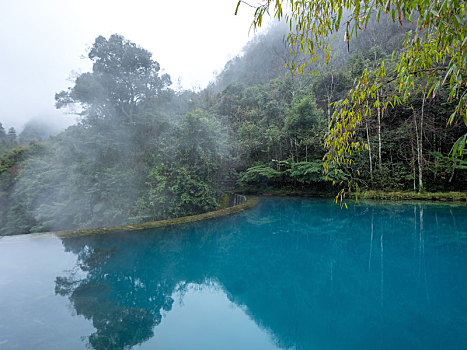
[433, 56]
[142, 151]
[135, 155]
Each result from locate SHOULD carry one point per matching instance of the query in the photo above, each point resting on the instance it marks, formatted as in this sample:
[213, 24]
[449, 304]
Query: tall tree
[12, 134]
[2, 132]
[123, 76]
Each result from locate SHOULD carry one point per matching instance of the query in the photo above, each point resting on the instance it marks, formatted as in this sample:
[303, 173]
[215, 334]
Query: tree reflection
[297, 272]
[122, 320]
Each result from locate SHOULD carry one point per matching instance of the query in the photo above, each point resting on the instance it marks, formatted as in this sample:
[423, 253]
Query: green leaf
[236, 9]
[459, 146]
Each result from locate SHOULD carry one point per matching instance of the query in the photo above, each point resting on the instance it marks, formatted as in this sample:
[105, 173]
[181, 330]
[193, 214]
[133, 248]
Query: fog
[43, 44]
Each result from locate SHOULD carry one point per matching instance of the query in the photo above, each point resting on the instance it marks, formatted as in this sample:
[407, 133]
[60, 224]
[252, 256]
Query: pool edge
[250, 202]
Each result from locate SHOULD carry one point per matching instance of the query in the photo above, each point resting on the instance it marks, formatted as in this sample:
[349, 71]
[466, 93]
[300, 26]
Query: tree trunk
[329, 96]
[452, 174]
[291, 150]
[420, 162]
[419, 152]
[412, 163]
[379, 132]
[369, 151]
[296, 150]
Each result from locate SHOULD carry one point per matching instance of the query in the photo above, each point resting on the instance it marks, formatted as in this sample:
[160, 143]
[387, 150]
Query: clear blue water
[290, 273]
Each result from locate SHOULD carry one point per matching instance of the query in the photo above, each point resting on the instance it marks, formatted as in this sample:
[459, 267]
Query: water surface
[288, 274]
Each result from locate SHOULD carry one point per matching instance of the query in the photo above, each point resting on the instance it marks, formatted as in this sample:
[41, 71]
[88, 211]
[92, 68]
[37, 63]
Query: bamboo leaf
[236, 9]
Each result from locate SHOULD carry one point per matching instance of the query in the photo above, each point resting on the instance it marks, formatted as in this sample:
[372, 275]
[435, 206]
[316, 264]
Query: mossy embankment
[250, 202]
[410, 195]
[383, 195]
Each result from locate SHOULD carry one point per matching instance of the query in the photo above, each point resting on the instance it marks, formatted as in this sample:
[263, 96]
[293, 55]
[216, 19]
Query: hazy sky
[43, 41]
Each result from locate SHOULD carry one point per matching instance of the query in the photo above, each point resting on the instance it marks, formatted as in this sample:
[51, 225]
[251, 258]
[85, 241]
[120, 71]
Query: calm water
[290, 273]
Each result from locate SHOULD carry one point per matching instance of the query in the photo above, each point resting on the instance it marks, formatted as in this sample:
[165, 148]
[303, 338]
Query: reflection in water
[381, 289]
[118, 326]
[299, 268]
[122, 308]
[371, 239]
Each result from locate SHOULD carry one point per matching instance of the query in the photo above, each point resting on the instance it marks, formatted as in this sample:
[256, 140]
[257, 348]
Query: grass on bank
[372, 194]
[410, 195]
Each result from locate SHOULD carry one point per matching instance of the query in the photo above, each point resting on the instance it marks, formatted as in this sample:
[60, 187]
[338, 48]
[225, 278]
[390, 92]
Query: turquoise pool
[290, 273]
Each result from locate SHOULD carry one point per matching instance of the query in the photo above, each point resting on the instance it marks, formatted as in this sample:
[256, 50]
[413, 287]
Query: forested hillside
[280, 125]
[143, 151]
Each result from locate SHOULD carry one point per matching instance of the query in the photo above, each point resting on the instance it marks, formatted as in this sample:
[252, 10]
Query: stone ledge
[250, 202]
